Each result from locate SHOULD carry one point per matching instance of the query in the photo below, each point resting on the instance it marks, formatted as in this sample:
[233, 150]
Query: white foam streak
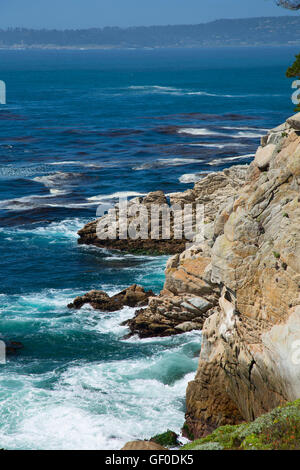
[167, 162]
[190, 178]
[117, 195]
[207, 132]
[220, 161]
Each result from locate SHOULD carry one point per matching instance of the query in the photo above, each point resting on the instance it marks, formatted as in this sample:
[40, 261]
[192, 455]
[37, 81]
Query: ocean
[79, 129]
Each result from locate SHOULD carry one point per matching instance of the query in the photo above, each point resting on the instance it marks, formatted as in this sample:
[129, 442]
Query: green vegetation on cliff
[166, 439]
[277, 430]
[294, 72]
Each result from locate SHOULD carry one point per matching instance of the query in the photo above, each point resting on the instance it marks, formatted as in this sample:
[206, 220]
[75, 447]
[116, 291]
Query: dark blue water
[79, 129]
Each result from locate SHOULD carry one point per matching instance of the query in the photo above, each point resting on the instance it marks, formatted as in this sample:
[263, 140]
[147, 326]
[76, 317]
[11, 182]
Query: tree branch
[289, 4]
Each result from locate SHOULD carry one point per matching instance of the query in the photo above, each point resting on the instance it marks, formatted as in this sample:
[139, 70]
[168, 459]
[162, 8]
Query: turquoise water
[79, 128]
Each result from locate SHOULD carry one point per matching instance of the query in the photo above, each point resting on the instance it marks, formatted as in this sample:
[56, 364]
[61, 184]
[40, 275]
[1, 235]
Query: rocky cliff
[250, 361]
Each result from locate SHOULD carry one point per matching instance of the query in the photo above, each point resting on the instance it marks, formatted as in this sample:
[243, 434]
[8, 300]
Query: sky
[62, 14]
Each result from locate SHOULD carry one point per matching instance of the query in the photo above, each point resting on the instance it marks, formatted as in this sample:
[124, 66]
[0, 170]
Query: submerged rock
[189, 296]
[139, 208]
[133, 296]
[13, 346]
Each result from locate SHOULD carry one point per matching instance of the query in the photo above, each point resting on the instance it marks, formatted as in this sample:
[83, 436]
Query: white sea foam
[56, 179]
[245, 128]
[53, 182]
[207, 132]
[248, 135]
[78, 163]
[190, 177]
[67, 228]
[32, 202]
[219, 161]
[97, 406]
[154, 88]
[93, 405]
[117, 195]
[68, 162]
[218, 146]
[167, 162]
[26, 202]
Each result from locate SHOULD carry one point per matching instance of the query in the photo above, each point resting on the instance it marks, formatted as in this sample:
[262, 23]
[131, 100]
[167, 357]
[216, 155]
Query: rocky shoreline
[240, 286]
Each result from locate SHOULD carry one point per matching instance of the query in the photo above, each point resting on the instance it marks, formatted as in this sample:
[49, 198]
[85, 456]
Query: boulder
[143, 445]
[133, 296]
[187, 326]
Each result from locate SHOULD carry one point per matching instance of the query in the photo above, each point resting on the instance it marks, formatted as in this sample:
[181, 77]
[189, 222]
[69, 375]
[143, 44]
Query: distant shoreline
[244, 32]
[108, 48]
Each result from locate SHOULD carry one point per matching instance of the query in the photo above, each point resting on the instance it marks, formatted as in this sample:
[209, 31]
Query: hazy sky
[90, 13]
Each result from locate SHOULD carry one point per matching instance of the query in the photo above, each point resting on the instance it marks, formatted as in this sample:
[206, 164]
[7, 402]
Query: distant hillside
[252, 31]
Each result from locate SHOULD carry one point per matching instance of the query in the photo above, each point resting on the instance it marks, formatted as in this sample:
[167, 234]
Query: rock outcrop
[142, 445]
[11, 347]
[108, 231]
[277, 430]
[133, 296]
[249, 362]
[189, 296]
[240, 284]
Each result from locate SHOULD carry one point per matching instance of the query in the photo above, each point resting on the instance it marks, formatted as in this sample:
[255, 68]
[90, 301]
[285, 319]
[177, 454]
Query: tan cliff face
[250, 357]
[240, 285]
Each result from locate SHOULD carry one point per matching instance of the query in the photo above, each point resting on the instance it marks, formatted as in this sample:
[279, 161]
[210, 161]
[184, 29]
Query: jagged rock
[189, 296]
[143, 445]
[264, 155]
[187, 326]
[212, 191]
[249, 361]
[294, 121]
[96, 232]
[133, 296]
[170, 314]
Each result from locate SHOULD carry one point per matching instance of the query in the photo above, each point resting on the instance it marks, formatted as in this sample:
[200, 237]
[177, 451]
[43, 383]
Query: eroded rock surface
[241, 284]
[133, 296]
[189, 296]
[249, 362]
[212, 191]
